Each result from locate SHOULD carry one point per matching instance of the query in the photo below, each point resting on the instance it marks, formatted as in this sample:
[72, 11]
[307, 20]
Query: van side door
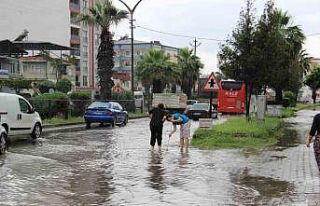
[25, 117]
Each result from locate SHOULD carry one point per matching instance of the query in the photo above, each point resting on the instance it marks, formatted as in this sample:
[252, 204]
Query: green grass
[238, 133]
[289, 111]
[60, 120]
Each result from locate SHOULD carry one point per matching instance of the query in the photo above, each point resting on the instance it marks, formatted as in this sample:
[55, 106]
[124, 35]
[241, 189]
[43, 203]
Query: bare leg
[186, 143]
[181, 143]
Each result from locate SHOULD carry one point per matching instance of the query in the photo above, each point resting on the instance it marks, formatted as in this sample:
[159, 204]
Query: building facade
[55, 21]
[122, 64]
[85, 41]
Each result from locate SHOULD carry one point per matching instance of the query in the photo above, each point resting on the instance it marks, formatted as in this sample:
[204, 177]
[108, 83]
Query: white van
[18, 117]
[3, 140]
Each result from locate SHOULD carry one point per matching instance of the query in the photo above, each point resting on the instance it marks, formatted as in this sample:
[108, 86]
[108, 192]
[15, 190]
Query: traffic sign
[211, 84]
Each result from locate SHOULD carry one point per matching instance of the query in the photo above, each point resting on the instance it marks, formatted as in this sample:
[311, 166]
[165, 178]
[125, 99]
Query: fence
[66, 108]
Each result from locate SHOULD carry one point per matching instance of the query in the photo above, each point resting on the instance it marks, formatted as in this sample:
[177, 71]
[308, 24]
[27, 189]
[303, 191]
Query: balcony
[75, 52]
[75, 6]
[75, 39]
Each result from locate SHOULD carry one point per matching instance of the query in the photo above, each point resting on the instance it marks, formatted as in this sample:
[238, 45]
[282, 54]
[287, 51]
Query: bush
[127, 95]
[45, 86]
[79, 101]
[125, 99]
[289, 99]
[64, 85]
[51, 104]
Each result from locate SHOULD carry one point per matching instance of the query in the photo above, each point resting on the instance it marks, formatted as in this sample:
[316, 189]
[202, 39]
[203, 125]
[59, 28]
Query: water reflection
[157, 171]
[184, 159]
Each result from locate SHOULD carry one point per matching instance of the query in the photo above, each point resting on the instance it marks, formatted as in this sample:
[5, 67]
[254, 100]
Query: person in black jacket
[158, 116]
[315, 131]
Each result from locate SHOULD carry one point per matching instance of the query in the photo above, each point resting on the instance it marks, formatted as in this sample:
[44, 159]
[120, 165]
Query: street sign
[211, 84]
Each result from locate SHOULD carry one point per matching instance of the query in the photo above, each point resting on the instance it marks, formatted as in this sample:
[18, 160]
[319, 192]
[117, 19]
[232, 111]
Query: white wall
[46, 20]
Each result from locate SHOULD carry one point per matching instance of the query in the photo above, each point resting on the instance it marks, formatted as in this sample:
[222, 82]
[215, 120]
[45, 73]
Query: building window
[127, 63]
[85, 36]
[85, 4]
[138, 53]
[85, 81]
[84, 50]
[127, 53]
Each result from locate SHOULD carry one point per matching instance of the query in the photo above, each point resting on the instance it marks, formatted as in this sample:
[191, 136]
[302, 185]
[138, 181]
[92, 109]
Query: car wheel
[3, 143]
[88, 125]
[214, 115]
[125, 120]
[36, 133]
[113, 123]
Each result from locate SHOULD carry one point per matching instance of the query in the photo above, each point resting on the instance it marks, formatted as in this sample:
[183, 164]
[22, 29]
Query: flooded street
[112, 166]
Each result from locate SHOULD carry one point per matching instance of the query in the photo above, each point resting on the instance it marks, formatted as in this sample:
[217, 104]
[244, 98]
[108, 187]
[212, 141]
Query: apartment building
[122, 66]
[85, 40]
[54, 21]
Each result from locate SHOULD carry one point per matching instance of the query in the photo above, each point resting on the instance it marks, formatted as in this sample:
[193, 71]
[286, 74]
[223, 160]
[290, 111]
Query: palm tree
[154, 68]
[189, 65]
[104, 14]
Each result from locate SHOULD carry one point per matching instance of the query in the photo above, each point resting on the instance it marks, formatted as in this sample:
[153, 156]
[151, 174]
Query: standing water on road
[112, 166]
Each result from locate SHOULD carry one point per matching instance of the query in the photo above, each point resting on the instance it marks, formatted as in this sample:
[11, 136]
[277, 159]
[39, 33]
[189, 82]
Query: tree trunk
[105, 64]
[157, 86]
[173, 88]
[314, 96]
[278, 95]
[249, 88]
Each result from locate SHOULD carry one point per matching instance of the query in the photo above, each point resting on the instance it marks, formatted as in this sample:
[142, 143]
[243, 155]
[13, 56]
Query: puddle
[249, 189]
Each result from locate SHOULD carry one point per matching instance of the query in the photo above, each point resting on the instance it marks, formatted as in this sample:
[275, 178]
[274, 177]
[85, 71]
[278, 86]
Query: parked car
[18, 117]
[105, 112]
[3, 140]
[201, 110]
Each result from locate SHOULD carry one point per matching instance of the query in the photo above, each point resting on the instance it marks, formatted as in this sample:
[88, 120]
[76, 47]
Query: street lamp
[131, 11]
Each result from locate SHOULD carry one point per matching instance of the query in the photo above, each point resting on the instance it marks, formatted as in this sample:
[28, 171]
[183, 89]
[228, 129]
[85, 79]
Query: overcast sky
[212, 19]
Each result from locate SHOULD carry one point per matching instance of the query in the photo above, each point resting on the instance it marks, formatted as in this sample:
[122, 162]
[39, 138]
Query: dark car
[201, 110]
[105, 112]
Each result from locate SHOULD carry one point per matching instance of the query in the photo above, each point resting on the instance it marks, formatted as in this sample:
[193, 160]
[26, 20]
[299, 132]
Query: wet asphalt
[113, 166]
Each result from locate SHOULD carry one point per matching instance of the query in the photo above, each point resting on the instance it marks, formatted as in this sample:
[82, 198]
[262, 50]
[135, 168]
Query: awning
[38, 45]
[8, 48]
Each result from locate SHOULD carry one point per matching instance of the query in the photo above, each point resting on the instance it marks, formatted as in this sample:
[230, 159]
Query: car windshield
[200, 106]
[100, 105]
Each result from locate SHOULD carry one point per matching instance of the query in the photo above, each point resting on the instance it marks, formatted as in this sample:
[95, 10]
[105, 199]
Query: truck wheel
[36, 133]
[3, 143]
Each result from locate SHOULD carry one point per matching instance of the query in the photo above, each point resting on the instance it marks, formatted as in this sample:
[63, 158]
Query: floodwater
[113, 166]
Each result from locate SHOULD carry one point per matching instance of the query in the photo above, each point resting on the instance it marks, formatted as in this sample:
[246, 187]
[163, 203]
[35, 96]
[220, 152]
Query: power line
[178, 35]
[313, 34]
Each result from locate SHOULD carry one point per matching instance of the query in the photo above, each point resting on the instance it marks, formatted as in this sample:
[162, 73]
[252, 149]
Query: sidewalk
[47, 128]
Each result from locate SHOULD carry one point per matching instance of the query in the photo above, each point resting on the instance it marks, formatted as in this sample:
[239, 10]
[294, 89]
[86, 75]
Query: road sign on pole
[211, 84]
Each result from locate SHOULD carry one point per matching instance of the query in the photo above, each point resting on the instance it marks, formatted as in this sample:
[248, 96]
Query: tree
[313, 81]
[189, 66]
[64, 85]
[104, 14]
[16, 84]
[279, 45]
[45, 86]
[155, 68]
[237, 57]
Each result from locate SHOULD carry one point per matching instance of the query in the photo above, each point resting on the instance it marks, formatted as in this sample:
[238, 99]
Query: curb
[47, 126]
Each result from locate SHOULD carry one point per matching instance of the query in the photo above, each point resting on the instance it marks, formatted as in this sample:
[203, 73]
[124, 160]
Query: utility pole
[195, 45]
[131, 11]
